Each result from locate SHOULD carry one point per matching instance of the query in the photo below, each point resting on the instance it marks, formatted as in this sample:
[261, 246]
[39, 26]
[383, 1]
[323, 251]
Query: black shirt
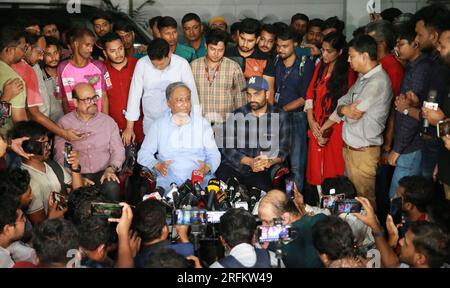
[257, 64]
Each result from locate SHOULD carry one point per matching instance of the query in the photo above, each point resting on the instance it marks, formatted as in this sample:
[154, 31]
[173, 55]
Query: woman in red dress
[330, 81]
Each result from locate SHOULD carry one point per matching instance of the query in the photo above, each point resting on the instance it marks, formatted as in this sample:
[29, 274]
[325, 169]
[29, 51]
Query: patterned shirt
[94, 73]
[268, 134]
[219, 90]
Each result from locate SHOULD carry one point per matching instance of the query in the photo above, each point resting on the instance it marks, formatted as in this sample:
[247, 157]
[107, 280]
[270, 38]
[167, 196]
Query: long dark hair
[337, 85]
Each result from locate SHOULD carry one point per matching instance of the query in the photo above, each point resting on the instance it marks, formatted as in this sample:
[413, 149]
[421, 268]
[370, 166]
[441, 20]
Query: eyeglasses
[89, 100]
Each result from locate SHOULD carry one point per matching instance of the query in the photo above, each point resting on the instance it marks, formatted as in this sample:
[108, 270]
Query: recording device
[106, 210]
[60, 199]
[274, 233]
[214, 216]
[346, 206]
[196, 177]
[190, 217]
[170, 193]
[289, 188]
[327, 201]
[396, 210]
[213, 185]
[430, 104]
[33, 147]
[67, 150]
[5, 110]
[443, 128]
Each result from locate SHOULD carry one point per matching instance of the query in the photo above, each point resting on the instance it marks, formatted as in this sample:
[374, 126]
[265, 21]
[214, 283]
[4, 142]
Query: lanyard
[215, 74]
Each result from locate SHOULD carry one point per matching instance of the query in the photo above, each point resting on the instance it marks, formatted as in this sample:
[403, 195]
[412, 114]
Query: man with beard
[82, 69]
[254, 147]
[102, 152]
[219, 80]
[293, 75]
[193, 32]
[103, 24]
[52, 57]
[37, 99]
[252, 61]
[267, 40]
[167, 27]
[121, 70]
[126, 33]
[299, 22]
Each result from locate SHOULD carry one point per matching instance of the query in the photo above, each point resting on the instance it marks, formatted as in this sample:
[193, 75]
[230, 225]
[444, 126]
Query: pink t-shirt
[94, 73]
[31, 83]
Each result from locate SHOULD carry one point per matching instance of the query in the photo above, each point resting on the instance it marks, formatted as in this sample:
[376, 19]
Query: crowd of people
[86, 114]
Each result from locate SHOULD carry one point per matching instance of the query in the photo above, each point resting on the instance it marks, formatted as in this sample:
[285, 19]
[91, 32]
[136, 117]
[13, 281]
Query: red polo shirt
[118, 96]
[395, 72]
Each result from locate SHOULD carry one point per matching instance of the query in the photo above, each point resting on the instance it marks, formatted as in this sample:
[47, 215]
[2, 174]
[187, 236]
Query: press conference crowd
[272, 124]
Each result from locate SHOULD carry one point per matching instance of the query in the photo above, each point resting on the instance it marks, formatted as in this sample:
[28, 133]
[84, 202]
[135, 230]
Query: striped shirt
[220, 92]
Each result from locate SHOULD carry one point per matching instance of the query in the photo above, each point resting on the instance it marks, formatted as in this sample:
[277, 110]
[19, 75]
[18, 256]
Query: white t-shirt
[42, 184]
[246, 255]
[5, 258]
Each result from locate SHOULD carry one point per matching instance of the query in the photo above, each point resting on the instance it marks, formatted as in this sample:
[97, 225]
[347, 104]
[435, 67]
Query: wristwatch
[405, 112]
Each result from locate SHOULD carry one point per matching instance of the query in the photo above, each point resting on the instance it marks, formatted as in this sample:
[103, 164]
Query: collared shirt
[56, 109]
[257, 64]
[18, 102]
[118, 96]
[94, 73]
[374, 91]
[245, 254]
[267, 134]
[102, 148]
[201, 50]
[150, 84]
[186, 52]
[220, 90]
[31, 83]
[184, 145]
[407, 129]
[292, 82]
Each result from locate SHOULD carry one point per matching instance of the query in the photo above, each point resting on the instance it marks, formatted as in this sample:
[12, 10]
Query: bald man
[101, 150]
[300, 252]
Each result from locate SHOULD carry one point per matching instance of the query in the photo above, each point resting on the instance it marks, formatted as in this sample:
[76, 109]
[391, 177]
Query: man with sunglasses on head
[102, 153]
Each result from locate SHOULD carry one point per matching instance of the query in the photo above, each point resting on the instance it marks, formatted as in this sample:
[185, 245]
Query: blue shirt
[183, 145]
[292, 83]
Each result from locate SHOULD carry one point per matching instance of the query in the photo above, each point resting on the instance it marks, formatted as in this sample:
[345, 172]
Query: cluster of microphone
[217, 195]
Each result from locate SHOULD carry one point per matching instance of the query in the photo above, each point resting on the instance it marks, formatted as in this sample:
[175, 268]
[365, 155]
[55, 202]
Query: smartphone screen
[347, 206]
[106, 210]
[214, 216]
[289, 188]
[274, 233]
[190, 217]
[396, 210]
[327, 201]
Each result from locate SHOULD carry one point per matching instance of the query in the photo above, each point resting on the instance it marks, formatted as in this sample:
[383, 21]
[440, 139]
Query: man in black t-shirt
[252, 61]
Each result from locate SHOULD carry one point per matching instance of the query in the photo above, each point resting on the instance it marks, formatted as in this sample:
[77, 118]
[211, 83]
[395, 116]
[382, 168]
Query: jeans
[110, 189]
[407, 165]
[430, 151]
[299, 148]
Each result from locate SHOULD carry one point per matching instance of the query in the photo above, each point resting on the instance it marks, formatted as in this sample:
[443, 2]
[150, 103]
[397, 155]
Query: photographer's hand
[182, 231]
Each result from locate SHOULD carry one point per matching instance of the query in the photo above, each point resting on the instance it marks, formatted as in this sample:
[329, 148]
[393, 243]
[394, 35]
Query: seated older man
[183, 140]
[101, 150]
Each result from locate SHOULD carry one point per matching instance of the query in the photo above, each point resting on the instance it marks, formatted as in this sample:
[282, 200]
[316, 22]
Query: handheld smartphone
[289, 188]
[396, 210]
[443, 128]
[274, 233]
[67, 150]
[106, 210]
[327, 201]
[32, 147]
[5, 109]
[346, 206]
[190, 217]
[60, 199]
[214, 216]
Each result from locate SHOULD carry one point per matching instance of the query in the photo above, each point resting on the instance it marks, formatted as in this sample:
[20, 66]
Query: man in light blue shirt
[184, 141]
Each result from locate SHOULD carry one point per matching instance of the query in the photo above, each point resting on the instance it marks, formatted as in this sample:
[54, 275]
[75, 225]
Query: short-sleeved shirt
[186, 52]
[31, 83]
[6, 73]
[94, 73]
[257, 64]
[42, 184]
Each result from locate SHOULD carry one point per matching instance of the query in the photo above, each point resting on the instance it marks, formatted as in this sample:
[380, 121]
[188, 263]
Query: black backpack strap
[58, 170]
[230, 262]
[262, 258]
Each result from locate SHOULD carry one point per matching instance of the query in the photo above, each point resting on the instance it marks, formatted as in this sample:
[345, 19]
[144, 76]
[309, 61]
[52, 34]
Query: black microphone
[432, 99]
[211, 204]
